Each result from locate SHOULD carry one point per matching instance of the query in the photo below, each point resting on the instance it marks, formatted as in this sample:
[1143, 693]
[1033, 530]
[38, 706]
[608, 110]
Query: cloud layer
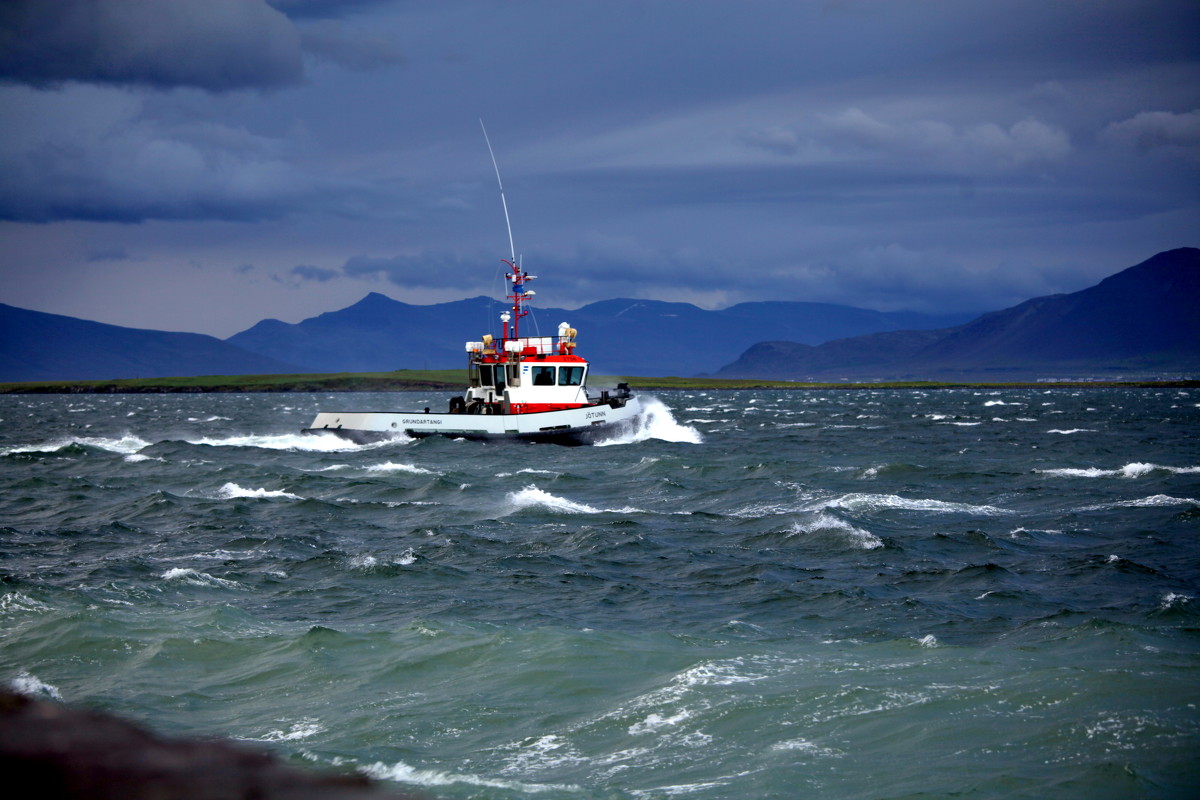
[217, 45]
[281, 158]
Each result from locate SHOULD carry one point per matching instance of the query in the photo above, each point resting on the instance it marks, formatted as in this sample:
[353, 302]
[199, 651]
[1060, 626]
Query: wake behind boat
[527, 388]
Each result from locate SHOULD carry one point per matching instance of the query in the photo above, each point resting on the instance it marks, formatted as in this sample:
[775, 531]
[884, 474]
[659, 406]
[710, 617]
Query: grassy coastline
[454, 379]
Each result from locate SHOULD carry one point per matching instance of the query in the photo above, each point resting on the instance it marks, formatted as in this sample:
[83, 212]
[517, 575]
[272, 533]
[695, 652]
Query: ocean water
[759, 594]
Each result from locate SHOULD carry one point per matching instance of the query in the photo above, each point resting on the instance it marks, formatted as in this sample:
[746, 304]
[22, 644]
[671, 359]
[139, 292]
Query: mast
[516, 277]
[518, 294]
[511, 248]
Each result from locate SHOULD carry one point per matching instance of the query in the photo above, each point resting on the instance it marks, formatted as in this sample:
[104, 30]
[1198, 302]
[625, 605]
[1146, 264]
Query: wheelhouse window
[485, 374]
[570, 376]
[543, 376]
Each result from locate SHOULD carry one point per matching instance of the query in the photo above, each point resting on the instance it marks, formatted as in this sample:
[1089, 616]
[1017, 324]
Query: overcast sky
[200, 165]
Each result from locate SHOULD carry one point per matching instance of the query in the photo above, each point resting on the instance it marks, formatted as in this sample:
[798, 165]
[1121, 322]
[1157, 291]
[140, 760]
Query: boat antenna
[511, 247]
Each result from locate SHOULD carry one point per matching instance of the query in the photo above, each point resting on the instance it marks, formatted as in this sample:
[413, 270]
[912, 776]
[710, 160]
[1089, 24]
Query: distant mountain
[1143, 319]
[621, 336]
[376, 334]
[35, 346]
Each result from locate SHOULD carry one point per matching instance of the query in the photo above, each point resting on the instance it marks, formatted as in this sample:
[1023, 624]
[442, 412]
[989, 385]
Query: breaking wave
[827, 523]
[316, 442]
[1132, 470]
[195, 577]
[231, 491]
[655, 422]
[883, 502]
[535, 498]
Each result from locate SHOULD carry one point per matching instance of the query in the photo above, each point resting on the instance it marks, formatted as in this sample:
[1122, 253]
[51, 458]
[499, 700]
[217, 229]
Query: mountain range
[377, 334]
[35, 346]
[1145, 319]
[619, 337]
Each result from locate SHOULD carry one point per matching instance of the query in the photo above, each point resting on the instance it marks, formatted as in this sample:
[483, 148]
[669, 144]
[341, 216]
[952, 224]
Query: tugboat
[528, 388]
[519, 387]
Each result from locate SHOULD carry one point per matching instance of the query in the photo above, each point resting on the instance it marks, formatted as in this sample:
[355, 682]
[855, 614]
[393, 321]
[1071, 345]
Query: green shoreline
[453, 380]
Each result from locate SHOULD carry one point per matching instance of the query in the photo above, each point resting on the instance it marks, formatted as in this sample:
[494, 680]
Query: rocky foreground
[60, 752]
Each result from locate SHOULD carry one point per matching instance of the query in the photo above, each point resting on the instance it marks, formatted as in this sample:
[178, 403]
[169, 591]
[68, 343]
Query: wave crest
[655, 422]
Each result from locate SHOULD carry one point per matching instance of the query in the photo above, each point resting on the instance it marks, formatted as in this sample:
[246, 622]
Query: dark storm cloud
[892, 153]
[323, 9]
[306, 272]
[354, 50]
[115, 163]
[216, 45]
[424, 270]
[1172, 134]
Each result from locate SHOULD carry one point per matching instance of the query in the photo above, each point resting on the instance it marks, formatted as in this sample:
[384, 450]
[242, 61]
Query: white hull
[568, 426]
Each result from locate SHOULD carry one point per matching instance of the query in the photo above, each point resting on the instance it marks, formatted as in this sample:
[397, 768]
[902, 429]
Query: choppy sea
[758, 594]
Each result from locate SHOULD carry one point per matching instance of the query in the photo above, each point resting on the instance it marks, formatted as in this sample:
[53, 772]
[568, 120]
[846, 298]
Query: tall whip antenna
[511, 247]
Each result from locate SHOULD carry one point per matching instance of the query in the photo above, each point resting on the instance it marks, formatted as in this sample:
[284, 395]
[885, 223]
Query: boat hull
[572, 426]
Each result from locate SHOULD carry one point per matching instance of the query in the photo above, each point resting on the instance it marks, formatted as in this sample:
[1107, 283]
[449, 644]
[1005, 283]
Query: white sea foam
[317, 442]
[653, 722]
[30, 685]
[16, 602]
[1134, 469]
[197, 578]
[1069, 431]
[1175, 600]
[137, 458]
[533, 497]
[303, 729]
[1019, 531]
[232, 491]
[655, 422]
[368, 562]
[125, 445]
[928, 640]
[542, 753]
[528, 471]
[394, 467]
[403, 773]
[880, 502]
[1153, 501]
[807, 747]
[863, 540]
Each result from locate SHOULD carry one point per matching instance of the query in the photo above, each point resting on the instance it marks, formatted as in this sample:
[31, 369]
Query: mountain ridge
[1145, 317]
[623, 336]
[35, 345]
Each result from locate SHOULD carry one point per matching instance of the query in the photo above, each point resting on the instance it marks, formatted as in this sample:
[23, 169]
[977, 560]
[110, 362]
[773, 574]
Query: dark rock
[60, 752]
